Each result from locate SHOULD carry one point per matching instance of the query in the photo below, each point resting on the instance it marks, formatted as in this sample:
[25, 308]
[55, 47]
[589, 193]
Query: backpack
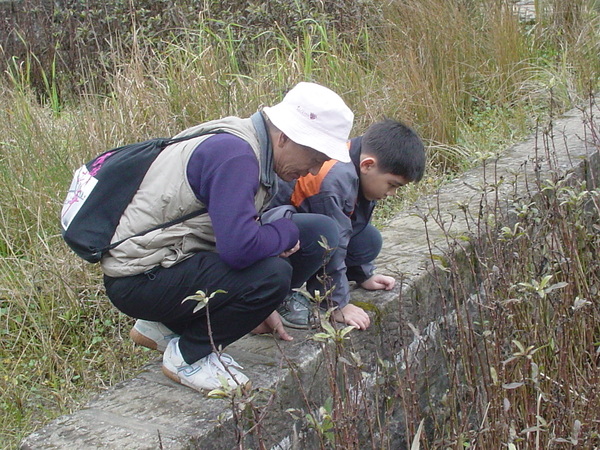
[102, 189]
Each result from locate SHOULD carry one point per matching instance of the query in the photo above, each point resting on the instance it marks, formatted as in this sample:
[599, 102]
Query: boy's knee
[316, 228]
[365, 246]
[374, 240]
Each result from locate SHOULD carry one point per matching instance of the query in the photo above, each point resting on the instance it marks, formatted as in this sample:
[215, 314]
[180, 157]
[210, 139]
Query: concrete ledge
[150, 411]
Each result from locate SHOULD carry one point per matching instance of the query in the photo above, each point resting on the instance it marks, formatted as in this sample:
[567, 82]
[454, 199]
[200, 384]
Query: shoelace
[300, 299]
[218, 361]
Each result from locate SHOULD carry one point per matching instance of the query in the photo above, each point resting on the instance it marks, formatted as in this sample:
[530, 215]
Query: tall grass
[522, 351]
[469, 79]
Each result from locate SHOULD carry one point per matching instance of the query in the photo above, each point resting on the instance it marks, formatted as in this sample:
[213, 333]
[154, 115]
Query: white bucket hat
[314, 116]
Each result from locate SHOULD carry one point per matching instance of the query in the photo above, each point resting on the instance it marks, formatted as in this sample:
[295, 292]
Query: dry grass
[523, 354]
[468, 79]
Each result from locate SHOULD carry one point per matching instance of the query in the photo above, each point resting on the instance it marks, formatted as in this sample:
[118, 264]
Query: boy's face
[375, 184]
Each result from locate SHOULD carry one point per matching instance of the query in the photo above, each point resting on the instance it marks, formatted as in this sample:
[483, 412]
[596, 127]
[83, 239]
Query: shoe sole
[176, 379]
[171, 375]
[143, 340]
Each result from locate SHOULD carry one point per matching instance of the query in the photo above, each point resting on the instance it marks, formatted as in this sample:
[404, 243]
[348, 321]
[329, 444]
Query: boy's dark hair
[398, 149]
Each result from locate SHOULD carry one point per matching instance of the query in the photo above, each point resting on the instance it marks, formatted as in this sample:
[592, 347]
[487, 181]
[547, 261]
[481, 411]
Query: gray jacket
[334, 192]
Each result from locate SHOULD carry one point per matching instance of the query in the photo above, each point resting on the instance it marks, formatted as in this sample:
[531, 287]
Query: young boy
[389, 155]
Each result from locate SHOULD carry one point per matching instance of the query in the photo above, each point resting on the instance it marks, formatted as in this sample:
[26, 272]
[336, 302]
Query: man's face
[376, 184]
[293, 161]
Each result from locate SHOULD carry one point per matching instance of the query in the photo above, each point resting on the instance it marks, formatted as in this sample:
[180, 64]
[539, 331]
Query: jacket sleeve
[224, 174]
[336, 199]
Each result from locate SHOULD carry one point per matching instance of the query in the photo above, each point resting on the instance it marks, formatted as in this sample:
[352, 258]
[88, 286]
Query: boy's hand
[378, 282]
[273, 324]
[352, 315]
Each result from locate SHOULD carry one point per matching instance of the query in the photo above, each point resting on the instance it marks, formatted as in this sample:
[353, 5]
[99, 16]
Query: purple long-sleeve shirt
[223, 172]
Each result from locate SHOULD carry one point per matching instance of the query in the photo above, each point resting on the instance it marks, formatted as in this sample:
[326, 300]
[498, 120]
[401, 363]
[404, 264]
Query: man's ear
[367, 163]
[282, 139]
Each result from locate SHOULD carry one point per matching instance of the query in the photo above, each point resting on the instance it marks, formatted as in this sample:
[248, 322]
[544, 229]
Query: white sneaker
[206, 373]
[152, 335]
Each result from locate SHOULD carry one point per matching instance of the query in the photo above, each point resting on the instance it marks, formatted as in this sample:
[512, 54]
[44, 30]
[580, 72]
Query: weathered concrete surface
[525, 9]
[150, 411]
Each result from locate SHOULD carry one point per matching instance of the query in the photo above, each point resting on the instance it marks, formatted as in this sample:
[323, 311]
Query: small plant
[249, 408]
[542, 287]
[331, 334]
[202, 299]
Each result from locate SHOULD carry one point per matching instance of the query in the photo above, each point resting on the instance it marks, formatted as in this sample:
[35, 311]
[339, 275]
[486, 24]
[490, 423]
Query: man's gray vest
[165, 194]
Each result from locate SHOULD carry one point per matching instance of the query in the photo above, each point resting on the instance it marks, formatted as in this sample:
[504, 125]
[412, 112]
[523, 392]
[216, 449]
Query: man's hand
[273, 324]
[352, 315]
[291, 251]
[378, 282]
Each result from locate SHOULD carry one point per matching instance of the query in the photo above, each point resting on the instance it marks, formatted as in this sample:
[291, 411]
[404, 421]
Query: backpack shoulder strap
[191, 215]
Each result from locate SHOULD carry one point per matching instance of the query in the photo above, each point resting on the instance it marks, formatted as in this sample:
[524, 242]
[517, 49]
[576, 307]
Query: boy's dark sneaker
[298, 311]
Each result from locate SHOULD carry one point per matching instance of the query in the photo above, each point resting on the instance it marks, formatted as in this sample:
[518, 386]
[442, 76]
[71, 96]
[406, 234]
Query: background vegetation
[81, 77]
[523, 350]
